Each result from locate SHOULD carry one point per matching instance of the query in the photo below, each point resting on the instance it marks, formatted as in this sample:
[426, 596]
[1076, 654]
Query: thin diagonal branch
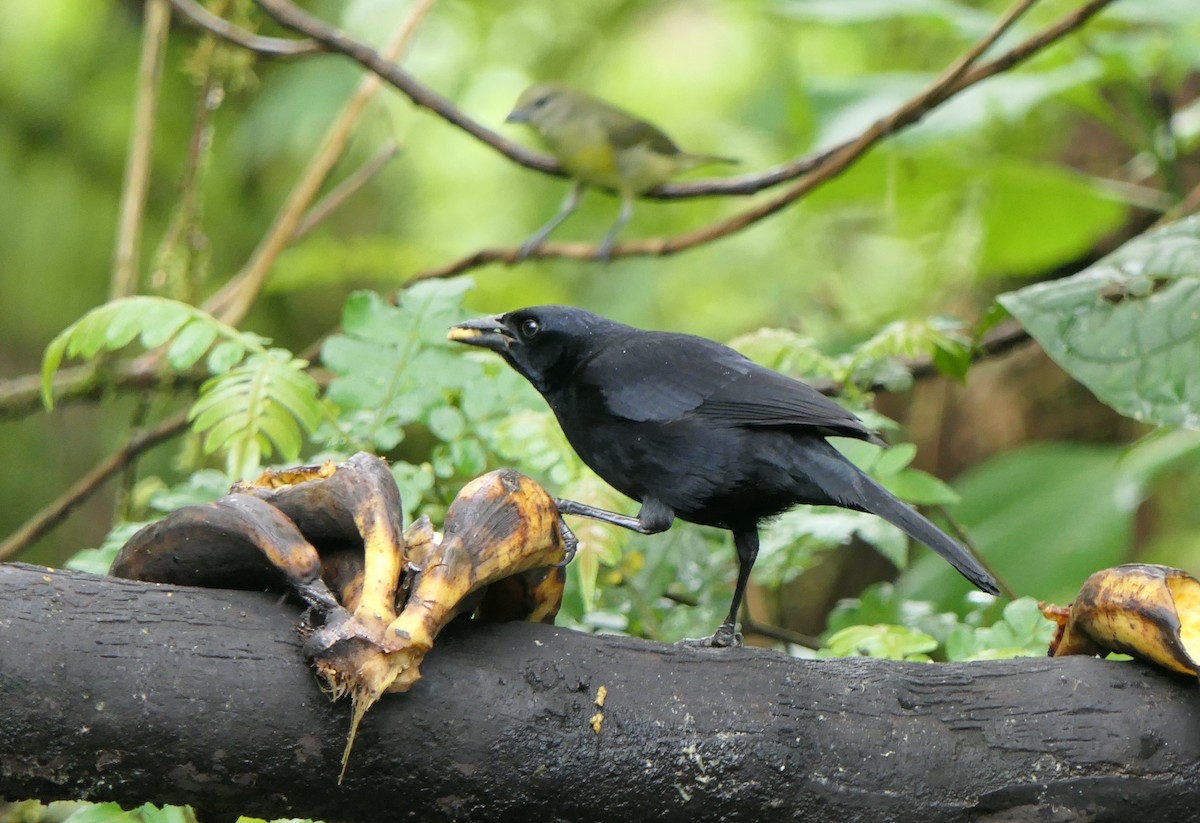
[196, 14]
[347, 189]
[45, 520]
[141, 144]
[233, 301]
[294, 18]
[21, 396]
[960, 76]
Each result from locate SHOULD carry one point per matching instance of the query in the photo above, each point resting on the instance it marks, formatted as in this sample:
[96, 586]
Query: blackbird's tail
[881, 502]
[849, 487]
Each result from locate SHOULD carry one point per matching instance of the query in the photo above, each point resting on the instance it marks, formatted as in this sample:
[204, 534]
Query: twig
[123, 498]
[752, 626]
[22, 395]
[45, 520]
[195, 13]
[1005, 337]
[300, 21]
[959, 77]
[1186, 206]
[231, 303]
[346, 189]
[292, 17]
[965, 538]
[141, 143]
[185, 225]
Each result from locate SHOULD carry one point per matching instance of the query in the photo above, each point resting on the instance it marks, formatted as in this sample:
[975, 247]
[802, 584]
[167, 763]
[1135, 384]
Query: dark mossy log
[133, 692]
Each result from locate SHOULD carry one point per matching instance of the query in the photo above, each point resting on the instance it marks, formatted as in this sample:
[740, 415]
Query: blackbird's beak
[485, 332]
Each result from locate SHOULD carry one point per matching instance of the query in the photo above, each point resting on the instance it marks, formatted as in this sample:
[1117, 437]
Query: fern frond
[154, 321]
[256, 410]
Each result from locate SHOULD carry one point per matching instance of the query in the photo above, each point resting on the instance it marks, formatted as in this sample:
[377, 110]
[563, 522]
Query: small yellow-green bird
[603, 146]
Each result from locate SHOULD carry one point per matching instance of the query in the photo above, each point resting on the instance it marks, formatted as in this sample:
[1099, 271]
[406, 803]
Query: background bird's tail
[851, 487]
[691, 160]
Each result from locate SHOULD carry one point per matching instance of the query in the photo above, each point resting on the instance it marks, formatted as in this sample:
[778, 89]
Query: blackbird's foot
[570, 544]
[725, 637]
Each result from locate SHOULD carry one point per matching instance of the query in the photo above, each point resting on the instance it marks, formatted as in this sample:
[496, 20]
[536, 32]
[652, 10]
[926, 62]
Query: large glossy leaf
[1045, 517]
[1128, 327]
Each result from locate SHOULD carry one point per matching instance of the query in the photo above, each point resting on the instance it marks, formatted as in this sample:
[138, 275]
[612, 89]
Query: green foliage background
[1035, 172]
[1023, 174]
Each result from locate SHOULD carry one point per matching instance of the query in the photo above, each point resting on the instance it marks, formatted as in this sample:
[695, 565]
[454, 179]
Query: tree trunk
[134, 692]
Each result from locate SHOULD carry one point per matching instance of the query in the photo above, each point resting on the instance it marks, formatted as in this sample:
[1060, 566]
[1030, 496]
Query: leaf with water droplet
[1128, 327]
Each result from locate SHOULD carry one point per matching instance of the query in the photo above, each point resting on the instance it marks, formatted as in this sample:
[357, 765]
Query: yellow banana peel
[380, 597]
[1150, 612]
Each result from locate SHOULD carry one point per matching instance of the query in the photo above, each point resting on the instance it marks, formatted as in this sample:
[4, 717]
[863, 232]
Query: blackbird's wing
[763, 397]
[659, 377]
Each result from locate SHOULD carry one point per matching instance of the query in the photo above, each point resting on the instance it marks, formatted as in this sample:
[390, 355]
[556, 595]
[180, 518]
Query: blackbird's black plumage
[693, 429]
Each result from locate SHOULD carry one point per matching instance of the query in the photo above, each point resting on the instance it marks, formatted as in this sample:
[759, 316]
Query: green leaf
[51, 360]
[785, 351]
[1023, 632]
[892, 461]
[225, 355]
[1015, 508]
[121, 330]
[1128, 327]
[256, 410]
[190, 344]
[162, 321]
[152, 319]
[883, 641]
[447, 423]
[790, 541]
[954, 361]
[920, 488]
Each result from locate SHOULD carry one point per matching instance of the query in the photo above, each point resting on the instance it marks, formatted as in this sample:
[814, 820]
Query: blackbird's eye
[530, 328]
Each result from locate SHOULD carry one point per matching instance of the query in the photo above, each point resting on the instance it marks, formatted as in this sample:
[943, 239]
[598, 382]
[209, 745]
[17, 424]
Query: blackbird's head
[543, 343]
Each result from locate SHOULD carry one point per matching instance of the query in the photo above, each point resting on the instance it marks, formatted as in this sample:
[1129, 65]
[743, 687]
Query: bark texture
[133, 692]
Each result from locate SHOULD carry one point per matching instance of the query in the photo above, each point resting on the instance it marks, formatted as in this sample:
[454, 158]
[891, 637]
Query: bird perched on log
[603, 146]
[693, 429]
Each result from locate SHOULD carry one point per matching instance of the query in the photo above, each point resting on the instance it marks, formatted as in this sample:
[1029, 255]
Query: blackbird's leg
[726, 635]
[746, 542]
[568, 208]
[610, 239]
[653, 518]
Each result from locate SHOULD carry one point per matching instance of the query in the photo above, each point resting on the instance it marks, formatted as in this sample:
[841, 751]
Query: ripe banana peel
[377, 597]
[500, 525]
[1147, 611]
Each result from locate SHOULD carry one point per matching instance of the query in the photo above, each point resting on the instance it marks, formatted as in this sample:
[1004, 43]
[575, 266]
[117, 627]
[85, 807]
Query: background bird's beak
[485, 332]
[517, 116]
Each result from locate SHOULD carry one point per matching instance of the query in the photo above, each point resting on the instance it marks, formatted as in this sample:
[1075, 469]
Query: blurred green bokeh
[1025, 173]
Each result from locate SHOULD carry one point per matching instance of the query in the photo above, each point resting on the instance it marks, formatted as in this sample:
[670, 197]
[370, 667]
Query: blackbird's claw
[570, 544]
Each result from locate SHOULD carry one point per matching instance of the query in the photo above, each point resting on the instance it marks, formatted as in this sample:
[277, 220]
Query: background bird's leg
[568, 207]
[652, 519]
[610, 239]
[746, 542]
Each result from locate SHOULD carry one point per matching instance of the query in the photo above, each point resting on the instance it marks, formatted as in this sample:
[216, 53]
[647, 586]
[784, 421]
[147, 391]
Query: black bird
[693, 429]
